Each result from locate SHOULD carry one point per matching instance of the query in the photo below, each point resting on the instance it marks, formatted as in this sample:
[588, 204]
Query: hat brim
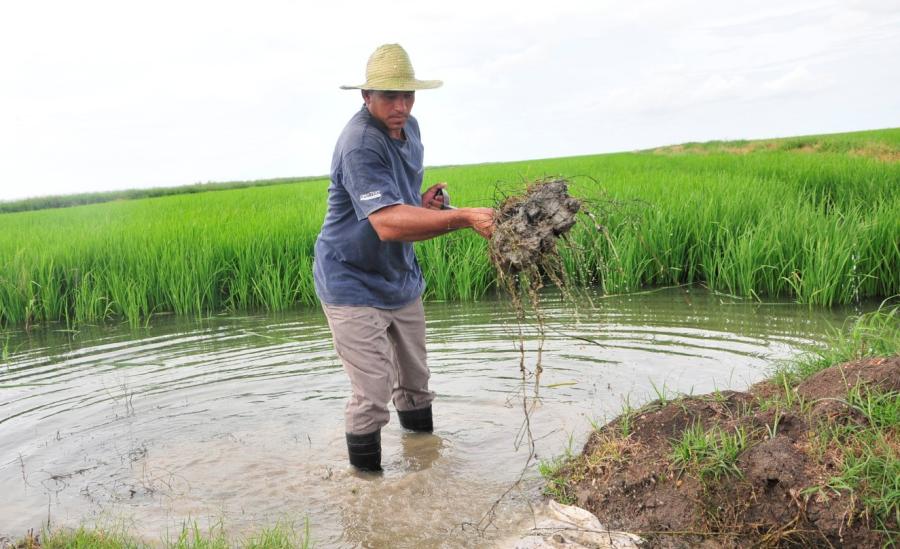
[397, 85]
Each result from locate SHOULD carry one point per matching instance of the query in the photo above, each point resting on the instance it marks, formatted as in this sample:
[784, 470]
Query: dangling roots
[524, 250]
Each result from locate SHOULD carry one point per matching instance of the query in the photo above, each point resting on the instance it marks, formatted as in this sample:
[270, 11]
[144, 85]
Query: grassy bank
[815, 218]
[191, 536]
[809, 457]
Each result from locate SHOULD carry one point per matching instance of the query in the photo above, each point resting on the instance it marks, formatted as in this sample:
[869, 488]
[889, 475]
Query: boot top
[417, 420]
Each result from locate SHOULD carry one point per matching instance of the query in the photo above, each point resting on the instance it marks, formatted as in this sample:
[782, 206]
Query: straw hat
[389, 68]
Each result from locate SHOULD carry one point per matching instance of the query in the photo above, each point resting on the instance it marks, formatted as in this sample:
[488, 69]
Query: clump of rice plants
[529, 225]
[523, 248]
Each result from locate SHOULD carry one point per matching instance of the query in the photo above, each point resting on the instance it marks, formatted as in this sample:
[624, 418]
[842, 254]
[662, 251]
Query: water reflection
[239, 418]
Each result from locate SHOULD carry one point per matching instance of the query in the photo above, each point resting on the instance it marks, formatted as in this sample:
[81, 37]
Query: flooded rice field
[238, 420]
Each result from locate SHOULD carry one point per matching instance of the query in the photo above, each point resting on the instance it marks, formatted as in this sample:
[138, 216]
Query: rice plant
[816, 219]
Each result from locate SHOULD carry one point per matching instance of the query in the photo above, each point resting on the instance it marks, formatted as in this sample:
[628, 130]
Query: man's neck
[393, 134]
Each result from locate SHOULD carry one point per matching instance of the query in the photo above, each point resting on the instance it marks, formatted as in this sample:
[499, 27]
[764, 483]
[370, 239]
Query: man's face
[392, 108]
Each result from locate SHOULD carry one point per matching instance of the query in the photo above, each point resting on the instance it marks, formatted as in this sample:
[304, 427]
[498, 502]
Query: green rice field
[814, 219]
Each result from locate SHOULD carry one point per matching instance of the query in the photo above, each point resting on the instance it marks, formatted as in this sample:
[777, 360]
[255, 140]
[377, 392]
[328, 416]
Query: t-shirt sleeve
[369, 181]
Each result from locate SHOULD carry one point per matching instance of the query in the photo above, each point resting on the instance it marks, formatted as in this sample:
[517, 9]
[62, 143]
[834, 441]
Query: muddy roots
[524, 252]
[528, 226]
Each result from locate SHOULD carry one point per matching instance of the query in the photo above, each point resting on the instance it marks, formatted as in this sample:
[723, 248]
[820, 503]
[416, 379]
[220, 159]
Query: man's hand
[482, 221]
[431, 199]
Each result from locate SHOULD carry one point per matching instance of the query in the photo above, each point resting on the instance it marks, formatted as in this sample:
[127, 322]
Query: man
[365, 269]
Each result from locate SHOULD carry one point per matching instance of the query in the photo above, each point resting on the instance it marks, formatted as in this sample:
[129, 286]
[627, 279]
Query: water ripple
[242, 417]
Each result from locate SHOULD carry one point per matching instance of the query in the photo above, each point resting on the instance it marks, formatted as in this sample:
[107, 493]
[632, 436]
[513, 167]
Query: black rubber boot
[365, 451]
[417, 420]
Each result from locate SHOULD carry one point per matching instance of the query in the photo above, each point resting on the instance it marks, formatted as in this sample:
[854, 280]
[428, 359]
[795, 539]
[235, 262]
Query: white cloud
[799, 80]
[102, 94]
[876, 7]
[677, 90]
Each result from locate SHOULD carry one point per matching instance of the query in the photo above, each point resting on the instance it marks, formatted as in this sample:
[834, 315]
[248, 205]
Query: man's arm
[409, 223]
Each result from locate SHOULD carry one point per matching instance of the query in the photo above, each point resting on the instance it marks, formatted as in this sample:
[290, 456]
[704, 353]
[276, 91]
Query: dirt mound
[773, 493]
[880, 373]
[528, 226]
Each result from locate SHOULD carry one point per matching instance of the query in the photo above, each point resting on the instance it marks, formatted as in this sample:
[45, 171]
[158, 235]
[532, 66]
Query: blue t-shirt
[369, 171]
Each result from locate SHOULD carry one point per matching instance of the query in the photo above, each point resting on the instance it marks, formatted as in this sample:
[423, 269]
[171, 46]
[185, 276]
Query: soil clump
[528, 226]
[777, 490]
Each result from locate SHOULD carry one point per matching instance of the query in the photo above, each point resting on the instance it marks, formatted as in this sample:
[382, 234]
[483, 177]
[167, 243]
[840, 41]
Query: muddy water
[238, 420]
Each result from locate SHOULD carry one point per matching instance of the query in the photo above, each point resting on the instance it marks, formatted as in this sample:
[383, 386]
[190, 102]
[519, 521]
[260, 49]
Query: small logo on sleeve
[370, 196]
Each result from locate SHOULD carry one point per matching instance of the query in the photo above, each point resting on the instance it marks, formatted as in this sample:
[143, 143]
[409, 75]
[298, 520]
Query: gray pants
[383, 352]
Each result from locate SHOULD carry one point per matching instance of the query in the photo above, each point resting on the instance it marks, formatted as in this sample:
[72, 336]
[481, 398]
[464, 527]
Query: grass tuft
[868, 454]
[868, 335]
[709, 454]
[282, 535]
[557, 483]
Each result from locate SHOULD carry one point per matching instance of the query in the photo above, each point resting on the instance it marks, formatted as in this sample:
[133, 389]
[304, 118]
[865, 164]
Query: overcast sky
[101, 95]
